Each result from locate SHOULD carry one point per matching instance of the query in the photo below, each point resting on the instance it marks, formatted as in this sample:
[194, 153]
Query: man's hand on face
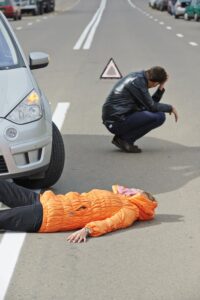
[174, 111]
[162, 85]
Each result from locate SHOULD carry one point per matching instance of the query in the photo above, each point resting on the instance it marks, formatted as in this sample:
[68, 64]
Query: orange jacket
[100, 210]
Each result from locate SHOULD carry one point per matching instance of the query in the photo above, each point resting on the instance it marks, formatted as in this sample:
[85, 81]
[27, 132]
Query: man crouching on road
[130, 111]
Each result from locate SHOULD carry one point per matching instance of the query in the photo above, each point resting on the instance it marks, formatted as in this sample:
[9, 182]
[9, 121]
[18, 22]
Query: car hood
[15, 84]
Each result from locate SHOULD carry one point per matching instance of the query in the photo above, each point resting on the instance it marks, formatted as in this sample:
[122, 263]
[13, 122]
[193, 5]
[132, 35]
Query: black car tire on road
[55, 167]
[16, 16]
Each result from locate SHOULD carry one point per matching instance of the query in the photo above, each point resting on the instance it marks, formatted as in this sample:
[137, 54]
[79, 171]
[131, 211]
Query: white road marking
[30, 23]
[11, 243]
[91, 27]
[38, 20]
[131, 4]
[180, 35]
[10, 247]
[90, 37]
[193, 44]
[19, 28]
[60, 113]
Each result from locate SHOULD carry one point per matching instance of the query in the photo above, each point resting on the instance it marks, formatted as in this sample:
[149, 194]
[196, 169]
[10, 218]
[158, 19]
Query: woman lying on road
[96, 212]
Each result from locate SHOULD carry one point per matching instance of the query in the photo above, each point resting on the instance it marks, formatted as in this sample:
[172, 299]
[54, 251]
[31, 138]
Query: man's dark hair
[157, 74]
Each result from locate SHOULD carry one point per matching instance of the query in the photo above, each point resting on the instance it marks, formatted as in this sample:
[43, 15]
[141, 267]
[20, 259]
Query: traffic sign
[111, 71]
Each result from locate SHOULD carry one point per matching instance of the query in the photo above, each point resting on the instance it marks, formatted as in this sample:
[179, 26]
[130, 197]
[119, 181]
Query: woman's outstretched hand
[78, 236]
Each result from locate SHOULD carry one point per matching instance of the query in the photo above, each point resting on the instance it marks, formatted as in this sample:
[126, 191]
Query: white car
[31, 147]
[178, 8]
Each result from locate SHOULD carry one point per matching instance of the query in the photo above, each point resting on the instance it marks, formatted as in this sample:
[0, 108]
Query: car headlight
[27, 111]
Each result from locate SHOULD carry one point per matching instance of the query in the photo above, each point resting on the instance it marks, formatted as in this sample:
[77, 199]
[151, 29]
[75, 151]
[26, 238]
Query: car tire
[15, 18]
[55, 167]
[34, 12]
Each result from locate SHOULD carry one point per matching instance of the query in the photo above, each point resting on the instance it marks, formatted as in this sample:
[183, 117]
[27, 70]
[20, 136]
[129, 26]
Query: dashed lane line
[60, 113]
[179, 35]
[193, 44]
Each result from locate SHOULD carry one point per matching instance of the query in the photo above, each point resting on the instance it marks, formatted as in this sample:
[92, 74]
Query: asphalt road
[157, 260]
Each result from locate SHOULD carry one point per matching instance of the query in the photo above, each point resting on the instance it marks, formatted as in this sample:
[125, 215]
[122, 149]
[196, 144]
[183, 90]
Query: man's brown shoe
[116, 142]
[125, 146]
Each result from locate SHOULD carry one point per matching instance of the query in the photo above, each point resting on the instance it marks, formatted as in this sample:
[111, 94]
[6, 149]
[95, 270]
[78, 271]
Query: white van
[34, 7]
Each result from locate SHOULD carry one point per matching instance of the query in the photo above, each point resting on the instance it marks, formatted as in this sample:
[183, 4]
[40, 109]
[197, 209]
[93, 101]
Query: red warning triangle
[111, 71]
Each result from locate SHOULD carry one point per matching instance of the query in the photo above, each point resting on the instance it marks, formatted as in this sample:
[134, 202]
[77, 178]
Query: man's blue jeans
[136, 125]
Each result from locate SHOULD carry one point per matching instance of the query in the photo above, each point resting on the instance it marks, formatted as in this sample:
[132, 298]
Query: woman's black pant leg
[25, 218]
[13, 195]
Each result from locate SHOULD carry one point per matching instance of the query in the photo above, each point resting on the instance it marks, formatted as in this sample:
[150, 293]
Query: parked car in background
[49, 5]
[34, 7]
[152, 3]
[161, 4]
[193, 11]
[11, 9]
[170, 6]
[178, 9]
[31, 147]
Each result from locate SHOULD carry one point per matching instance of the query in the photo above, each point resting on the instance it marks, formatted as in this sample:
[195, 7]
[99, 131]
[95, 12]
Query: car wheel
[176, 16]
[55, 167]
[196, 17]
[48, 8]
[34, 12]
[15, 18]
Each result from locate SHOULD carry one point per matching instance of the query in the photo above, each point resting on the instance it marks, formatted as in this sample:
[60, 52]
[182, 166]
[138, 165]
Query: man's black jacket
[131, 94]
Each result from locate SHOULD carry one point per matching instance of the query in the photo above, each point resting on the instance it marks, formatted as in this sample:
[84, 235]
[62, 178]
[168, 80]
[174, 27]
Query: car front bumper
[180, 11]
[29, 152]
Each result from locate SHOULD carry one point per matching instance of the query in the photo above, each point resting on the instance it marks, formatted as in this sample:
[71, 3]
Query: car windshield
[8, 53]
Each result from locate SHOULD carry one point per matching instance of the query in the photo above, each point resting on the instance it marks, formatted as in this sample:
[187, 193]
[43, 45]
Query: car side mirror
[38, 60]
